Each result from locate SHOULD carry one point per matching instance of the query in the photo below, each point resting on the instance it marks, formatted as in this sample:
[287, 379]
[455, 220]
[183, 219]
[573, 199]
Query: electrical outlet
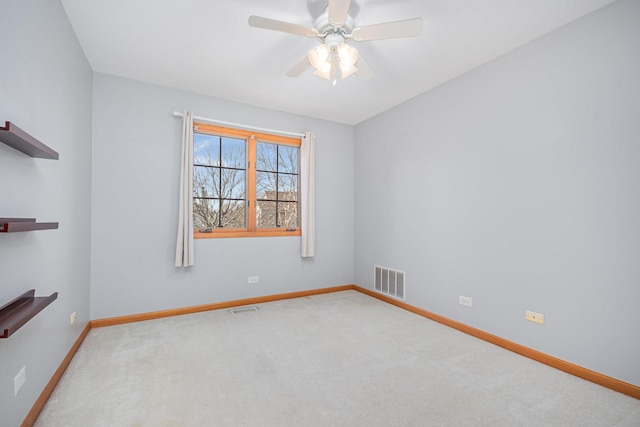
[465, 301]
[253, 279]
[534, 317]
[72, 318]
[19, 380]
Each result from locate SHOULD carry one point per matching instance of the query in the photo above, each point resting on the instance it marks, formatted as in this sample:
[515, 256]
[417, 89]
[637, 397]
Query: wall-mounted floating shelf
[13, 225]
[16, 313]
[16, 138]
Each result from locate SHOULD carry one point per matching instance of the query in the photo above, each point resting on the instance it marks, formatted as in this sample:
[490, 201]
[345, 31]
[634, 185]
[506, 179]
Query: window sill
[268, 232]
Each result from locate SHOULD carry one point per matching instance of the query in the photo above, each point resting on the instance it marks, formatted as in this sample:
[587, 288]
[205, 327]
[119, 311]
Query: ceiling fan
[335, 28]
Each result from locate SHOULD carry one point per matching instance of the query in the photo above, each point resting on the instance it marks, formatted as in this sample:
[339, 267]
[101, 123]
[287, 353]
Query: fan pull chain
[334, 65]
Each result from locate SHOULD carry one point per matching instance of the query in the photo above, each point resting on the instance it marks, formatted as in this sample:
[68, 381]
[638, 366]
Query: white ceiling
[207, 47]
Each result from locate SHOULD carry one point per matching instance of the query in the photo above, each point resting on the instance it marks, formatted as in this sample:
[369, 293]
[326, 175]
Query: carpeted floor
[341, 359]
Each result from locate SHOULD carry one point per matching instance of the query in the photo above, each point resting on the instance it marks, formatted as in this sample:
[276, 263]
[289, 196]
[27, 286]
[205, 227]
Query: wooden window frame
[252, 139]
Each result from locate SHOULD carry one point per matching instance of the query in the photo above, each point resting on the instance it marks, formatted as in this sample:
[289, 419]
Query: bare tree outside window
[219, 181]
[276, 186]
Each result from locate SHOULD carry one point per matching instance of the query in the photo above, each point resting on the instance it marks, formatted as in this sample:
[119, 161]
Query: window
[244, 183]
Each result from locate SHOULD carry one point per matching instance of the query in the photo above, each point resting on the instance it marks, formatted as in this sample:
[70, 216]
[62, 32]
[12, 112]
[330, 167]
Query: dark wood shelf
[14, 225]
[16, 313]
[16, 138]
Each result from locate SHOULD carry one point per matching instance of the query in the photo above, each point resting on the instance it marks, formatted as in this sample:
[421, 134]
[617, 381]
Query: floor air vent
[243, 309]
[389, 282]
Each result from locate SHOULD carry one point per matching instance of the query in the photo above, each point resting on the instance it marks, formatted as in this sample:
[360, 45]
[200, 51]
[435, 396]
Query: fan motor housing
[324, 27]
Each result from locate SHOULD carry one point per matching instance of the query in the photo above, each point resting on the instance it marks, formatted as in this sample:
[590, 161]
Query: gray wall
[45, 88]
[136, 152]
[516, 184]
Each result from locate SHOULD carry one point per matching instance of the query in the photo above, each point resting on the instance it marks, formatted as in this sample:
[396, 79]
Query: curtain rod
[236, 125]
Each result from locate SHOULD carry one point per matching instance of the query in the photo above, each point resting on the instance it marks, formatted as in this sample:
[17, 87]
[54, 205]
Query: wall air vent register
[389, 282]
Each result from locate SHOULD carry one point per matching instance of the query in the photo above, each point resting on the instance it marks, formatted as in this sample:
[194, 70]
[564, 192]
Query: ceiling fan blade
[285, 27]
[364, 71]
[388, 30]
[300, 67]
[338, 12]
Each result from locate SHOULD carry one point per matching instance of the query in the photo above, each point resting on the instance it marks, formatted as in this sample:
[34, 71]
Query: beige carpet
[341, 359]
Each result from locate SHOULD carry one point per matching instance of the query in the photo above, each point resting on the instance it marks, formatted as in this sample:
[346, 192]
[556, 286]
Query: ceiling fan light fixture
[348, 55]
[347, 71]
[319, 57]
[326, 59]
[325, 74]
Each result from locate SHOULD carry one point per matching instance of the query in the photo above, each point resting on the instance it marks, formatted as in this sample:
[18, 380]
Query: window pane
[233, 214]
[233, 184]
[266, 157]
[205, 213]
[221, 186]
[266, 185]
[206, 181]
[288, 214]
[233, 153]
[287, 187]
[287, 159]
[206, 149]
[265, 214]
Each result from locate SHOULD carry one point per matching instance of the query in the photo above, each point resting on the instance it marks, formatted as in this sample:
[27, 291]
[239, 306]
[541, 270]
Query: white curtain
[307, 205]
[184, 245]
